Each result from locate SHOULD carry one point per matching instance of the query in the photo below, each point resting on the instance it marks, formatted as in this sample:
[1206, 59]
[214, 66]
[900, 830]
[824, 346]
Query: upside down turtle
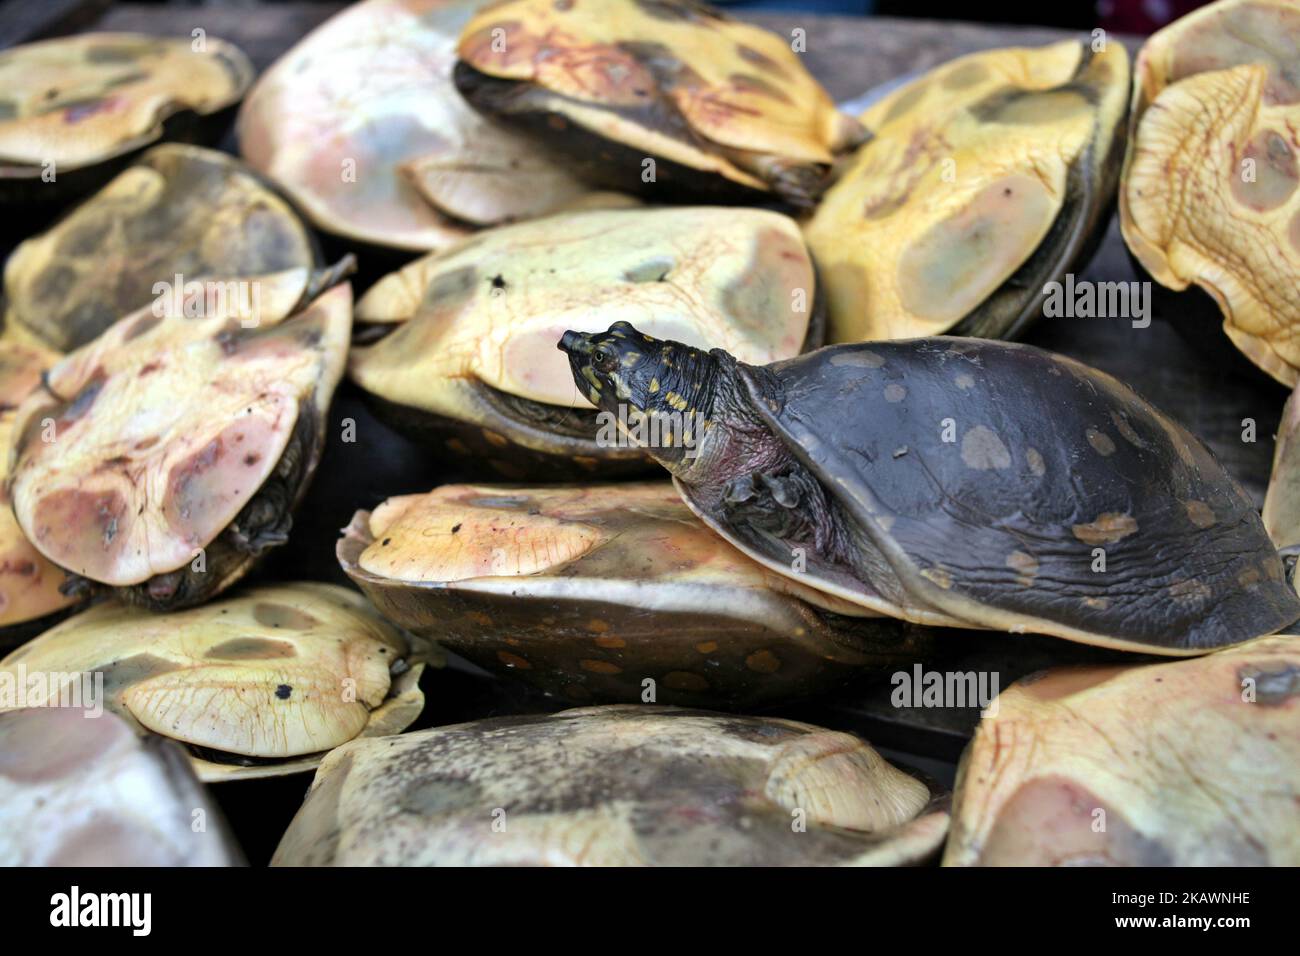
[615, 786]
[922, 479]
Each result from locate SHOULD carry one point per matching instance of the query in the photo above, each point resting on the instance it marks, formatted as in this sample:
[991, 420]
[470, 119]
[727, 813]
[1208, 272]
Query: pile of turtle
[710, 408]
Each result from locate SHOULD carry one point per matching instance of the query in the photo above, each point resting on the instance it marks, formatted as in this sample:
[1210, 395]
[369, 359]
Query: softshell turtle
[472, 367]
[256, 685]
[30, 596]
[725, 110]
[1210, 193]
[960, 481]
[986, 178]
[162, 459]
[80, 788]
[361, 123]
[73, 106]
[1188, 763]
[614, 786]
[608, 593]
[177, 211]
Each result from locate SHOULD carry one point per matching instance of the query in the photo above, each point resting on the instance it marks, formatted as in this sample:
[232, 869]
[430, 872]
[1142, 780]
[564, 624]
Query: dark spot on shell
[451, 289]
[126, 79]
[430, 797]
[455, 528]
[760, 60]
[281, 615]
[653, 270]
[1276, 174]
[252, 459]
[1272, 687]
[905, 102]
[113, 53]
[183, 476]
[251, 649]
[283, 691]
[84, 109]
[233, 337]
[744, 83]
[82, 401]
[966, 75]
[71, 512]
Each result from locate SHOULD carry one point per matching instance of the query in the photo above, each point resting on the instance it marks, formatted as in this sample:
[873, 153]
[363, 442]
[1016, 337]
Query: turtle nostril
[570, 341]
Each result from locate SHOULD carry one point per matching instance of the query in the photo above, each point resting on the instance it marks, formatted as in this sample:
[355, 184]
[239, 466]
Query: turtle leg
[264, 523]
[789, 504]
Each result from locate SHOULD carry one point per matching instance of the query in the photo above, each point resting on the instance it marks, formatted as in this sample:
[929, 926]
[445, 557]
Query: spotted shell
[79, 788]
[29, 583]
[614, 786]
[164, 457]
[997, 485]
[256, 685]
[590, 592]
[178, 210]
[724, 108]
[986, 178]
[477, 325]
[1210, 194]
[1189, 763]
[77, 101]
[361, 124]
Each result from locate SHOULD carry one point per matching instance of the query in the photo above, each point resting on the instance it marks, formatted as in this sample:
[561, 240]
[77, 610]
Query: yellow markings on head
[676, 401]
[631, 358]
[594, 396]
[654, 385]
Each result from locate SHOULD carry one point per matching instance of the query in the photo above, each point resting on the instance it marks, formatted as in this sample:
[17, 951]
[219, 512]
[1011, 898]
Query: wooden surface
[1181, 362]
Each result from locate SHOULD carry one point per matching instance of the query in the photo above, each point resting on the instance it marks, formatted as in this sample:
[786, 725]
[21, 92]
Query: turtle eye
[602, 359]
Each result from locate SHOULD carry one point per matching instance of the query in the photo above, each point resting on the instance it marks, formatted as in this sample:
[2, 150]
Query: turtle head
[658, 392]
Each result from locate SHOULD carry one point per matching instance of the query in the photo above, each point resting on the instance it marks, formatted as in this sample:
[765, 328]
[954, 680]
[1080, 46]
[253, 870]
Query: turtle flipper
[787, 504]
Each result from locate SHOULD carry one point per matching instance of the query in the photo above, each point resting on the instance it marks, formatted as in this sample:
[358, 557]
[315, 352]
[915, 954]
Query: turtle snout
[572, 342]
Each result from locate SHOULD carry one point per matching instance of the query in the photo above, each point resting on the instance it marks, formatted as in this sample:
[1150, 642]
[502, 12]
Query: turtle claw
[740, 490]
[785, 505]
[783, 489]
[76, 587]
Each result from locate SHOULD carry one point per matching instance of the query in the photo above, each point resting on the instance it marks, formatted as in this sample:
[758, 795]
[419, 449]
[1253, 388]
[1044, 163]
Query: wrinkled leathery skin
[840, 457]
